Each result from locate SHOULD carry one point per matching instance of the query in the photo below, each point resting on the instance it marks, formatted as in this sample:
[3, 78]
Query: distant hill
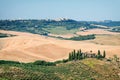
[108, 23]
[46, 26]
[40, 26]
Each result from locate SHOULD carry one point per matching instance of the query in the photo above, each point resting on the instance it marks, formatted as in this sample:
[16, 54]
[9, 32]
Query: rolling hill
[87, 69]
[27, 47]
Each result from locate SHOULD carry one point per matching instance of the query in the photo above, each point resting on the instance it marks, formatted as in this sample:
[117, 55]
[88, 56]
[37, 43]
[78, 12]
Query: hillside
[87, 69]
[43, 27]
[62, 26]
[27, 47]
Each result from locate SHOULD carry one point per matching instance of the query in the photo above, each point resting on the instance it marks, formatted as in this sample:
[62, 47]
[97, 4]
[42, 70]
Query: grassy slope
[60, 30]
[88, 69]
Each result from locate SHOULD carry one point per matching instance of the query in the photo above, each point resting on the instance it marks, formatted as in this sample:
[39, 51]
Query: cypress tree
[70, 56]
[80, 51]
[104, 54]
[98, 55]
[78, 55]
[74, 55]
[99, 52]
[74, 51]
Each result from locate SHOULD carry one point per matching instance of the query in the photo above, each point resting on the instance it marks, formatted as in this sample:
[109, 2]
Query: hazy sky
[74, 9]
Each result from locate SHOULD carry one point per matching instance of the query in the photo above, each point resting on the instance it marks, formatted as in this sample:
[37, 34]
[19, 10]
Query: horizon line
[57, 19]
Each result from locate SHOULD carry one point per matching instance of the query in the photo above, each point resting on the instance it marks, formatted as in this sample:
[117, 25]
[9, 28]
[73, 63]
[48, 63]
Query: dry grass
[96, 31]
[107, 40]
[28, 47]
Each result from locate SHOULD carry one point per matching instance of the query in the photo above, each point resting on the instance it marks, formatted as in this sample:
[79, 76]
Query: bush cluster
[80, 37]
[44, 63]
[78, 55]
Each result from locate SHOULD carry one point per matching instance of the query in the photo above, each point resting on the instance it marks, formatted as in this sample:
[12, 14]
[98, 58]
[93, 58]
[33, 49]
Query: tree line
[37, 26]
[82, 37]
[79, 55]
[74, 55]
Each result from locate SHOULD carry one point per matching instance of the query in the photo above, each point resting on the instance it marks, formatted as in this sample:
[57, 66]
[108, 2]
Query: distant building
[89, 55]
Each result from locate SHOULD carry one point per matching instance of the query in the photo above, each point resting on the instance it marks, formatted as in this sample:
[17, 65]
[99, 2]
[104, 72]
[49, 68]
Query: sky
[87, 10]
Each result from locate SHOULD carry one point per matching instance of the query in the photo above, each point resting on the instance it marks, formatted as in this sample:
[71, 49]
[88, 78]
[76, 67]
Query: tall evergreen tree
[70, 56]
[78, 54]
[81, 56]
[80, 51]
[74, 55]
[104, 54]
[99, 54]
[74, 51]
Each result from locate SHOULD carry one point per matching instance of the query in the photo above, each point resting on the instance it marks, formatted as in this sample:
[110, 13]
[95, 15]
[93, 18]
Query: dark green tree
[81, 56]
[74, 51]
[74, 54]
[99, 55]
[78, 54]
[104, 54]
[80, 51]
[70, 56]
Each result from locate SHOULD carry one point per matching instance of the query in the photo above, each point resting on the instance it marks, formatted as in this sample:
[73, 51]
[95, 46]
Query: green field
[87, 69]
[60, 30]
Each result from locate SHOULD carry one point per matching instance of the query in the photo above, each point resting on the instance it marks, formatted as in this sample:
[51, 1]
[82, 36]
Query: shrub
[8, 62]
[44, 63]
[65, 60]
[79, 38]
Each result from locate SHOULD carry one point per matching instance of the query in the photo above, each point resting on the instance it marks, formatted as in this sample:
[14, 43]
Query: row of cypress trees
[99, 55]
[78, 55]
[75, 55]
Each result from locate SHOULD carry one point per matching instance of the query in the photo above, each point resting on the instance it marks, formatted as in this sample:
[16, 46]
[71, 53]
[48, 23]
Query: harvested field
[27, 47]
